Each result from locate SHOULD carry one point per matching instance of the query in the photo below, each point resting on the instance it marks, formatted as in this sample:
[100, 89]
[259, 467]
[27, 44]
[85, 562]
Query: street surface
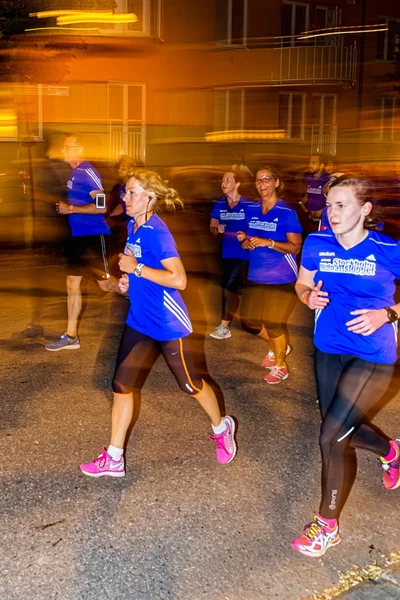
[178, 526]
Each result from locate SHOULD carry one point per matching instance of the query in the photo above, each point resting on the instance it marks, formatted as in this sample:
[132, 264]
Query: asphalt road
[179, 526]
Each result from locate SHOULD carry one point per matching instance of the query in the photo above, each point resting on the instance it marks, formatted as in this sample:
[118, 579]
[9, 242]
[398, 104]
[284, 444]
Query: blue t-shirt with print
[265, 264]
[234, 220]
[155, 310]
[316, 199]
[360, 277]
[83, 180]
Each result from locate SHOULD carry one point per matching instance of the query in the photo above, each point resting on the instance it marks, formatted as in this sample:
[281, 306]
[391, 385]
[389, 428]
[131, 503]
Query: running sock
[71, 338]
[115, 453]
[393, 453]
[219, 428]
[331, 523]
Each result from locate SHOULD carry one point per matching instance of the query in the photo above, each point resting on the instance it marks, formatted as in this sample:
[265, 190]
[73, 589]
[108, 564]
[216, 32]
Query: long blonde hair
[152, 182]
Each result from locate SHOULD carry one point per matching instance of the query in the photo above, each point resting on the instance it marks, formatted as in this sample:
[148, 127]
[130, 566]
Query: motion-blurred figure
[86, 249]
[315, 200]
[241, 167]
[227, 218]
[273, 236]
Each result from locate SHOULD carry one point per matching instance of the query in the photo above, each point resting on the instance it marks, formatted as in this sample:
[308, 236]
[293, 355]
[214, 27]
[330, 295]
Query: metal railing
[127, 140]
[324, 138]
[314, 63]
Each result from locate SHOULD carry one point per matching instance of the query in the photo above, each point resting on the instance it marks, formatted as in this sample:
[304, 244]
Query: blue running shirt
[361, 277]
[316, 199]
[265, 264]
[83, 180]
[234, 220]
[156, 311]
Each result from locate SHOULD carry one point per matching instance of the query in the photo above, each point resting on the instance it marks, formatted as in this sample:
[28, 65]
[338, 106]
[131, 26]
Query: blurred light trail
[245, 134]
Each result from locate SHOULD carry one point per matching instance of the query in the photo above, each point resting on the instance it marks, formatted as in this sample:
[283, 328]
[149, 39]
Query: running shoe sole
[334, 542]
[277, 382]
[105, 474]
[233, 427]
[70, 347]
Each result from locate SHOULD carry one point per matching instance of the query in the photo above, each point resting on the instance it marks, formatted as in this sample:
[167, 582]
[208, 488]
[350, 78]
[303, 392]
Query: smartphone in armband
[101, 201]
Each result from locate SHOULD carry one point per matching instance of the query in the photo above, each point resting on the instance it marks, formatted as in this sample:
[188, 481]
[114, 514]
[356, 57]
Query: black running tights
[348, 389]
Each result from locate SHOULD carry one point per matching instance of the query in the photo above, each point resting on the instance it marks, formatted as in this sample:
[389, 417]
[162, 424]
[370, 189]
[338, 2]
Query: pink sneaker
[103, 466]
[277, 374]
[269, 360]
[316, 538]
[226, 445]
[391, 475]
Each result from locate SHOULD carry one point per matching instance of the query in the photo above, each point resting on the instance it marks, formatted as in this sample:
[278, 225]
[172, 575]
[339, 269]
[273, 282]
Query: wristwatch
[392, 314]
[138, 271]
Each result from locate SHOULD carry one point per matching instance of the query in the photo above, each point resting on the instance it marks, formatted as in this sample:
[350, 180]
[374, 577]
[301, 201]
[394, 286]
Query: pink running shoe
[316, 538]
[391, 475]
[269, 360]
[226, 445]
[277, 374]
[104, 466]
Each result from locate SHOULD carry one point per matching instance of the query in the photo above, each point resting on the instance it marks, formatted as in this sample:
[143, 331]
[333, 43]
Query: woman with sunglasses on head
[347, 276]
[273, 236]
[157, 322]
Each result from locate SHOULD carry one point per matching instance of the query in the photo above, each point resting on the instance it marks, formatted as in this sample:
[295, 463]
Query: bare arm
[309, 293]
[172, 276]
[118, 210]
[291, 246]
[86, 209]
[214, 226]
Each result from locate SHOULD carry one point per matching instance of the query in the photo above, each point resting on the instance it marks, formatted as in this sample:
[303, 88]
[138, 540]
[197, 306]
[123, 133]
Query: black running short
[87, 255]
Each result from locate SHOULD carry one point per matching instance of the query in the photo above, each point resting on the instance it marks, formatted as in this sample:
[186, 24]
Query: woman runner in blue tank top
[347, 277]
[157, 322]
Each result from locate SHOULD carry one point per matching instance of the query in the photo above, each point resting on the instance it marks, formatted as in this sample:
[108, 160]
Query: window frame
[228, 41]
[121, 7]
[382, 119]
[227, 91]
[290, 114]
[293, 4]
[384, 20]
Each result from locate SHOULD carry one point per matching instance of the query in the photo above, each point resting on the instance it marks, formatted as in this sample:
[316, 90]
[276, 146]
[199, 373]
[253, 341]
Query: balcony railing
[323, 139]
[129, 140]
[325, 64]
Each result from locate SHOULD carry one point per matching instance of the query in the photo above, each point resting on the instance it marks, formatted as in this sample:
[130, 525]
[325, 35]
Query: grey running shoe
[221, 333]
[63, 343]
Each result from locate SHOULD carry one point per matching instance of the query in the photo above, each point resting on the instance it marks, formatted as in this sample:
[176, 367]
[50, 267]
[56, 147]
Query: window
[323, 123]
[229, 109]
[126, 116]
[324, 110]
[325, 18]
[389, 119]
[388, 43]
[145, 10]
[294, 20]
[291, 114]
[231, 22]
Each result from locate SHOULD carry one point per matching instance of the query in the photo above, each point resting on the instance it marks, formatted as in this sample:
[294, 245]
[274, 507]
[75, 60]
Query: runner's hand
[368, 321]
[127, 262]
[123, 284]
[246, 245]
[317, 298]
[241, 236]
[257, 242]
[62, 208]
